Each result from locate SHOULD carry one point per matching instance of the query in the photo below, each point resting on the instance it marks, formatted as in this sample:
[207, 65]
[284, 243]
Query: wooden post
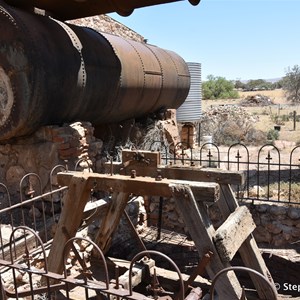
[111, 220]
[249, 250]
[69, 221]
[202, 232]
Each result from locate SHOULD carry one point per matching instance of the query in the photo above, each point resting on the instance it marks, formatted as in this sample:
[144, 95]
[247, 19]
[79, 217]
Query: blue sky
[235, 39]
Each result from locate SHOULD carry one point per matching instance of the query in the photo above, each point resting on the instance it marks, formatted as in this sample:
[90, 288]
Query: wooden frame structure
[191, 188]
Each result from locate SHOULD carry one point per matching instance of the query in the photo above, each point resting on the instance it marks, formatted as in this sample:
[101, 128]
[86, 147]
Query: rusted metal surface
[44, 283]
[51, 73]
[69, 9]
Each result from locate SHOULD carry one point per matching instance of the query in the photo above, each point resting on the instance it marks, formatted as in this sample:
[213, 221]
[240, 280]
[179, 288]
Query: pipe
[51, 73]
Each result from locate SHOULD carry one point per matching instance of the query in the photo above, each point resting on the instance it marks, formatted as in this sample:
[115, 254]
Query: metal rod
[159, 224]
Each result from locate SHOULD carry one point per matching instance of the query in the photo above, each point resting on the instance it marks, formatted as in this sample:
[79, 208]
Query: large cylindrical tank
[51, 72]
[190, 110]
[74, 9]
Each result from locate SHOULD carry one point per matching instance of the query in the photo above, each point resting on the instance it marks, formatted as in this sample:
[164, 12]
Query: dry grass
[267, 115]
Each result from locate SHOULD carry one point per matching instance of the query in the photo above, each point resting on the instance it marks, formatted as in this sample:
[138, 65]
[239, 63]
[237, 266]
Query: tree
[291, 83]
[258, 85]
[218, 88]
[239, 84]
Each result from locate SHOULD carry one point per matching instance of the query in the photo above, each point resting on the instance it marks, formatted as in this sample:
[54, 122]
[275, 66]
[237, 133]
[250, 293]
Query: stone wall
[276, 225]
[46, 148]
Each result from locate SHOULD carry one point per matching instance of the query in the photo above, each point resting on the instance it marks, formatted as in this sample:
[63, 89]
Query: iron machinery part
[51, 73]
[74, 9]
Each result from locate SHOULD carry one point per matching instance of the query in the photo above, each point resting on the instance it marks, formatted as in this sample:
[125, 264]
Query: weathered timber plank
[69, 221]
[233, 232]
[139, 271]
[111, 220]
[179, 172]
[249, 250]
[195, 294]
[205, 175]
[202, 232]
[204, 191]
[18, 247]
[94, 210]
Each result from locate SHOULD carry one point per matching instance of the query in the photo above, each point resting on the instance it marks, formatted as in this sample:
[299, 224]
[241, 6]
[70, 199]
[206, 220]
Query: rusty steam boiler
[52, 72]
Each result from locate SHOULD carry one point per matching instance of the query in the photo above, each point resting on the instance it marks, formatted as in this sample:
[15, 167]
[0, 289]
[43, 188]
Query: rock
[287, 236]
[257, 191]
[274, 228]
[265, 219]
[261, 208]
[278, 210]
[34, 213]
[295, 232]
[262, 235]
[294, 213]
[14, 174]
[278, 241]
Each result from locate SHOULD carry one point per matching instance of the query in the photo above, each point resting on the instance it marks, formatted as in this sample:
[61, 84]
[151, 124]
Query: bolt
[133, 173]
[66, 165]
[158, 177]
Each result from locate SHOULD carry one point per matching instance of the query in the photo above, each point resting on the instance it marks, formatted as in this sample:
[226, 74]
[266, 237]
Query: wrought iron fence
[271, 174]
[26, 240]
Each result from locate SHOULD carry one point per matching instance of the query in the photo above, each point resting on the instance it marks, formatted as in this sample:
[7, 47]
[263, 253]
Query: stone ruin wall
[48, 147]
[276, 225]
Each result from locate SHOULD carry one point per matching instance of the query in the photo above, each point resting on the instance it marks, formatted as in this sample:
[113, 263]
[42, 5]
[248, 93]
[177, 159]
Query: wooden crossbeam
[178, 172]
[207, 191]
[233, 232]
[204, 175]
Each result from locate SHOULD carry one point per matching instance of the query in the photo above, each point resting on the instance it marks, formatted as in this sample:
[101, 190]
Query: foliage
[291, 84]
[218, 88]
[257, 85]
[272, 135]
[240, 85]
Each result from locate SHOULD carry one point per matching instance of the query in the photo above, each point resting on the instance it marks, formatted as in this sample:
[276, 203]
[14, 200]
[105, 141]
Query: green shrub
[273, 134]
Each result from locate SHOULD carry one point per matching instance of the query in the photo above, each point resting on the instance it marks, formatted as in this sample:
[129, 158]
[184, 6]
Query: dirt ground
[281, 110]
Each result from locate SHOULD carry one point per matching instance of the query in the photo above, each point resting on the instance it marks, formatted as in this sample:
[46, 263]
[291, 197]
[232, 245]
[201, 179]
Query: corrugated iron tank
[51, 72]
[190, 110]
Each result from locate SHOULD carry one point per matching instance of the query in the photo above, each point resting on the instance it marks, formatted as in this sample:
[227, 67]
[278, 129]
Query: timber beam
[203, 191]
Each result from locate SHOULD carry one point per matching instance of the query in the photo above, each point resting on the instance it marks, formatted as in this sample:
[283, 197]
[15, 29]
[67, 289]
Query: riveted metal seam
[78, 46]
[162, 75]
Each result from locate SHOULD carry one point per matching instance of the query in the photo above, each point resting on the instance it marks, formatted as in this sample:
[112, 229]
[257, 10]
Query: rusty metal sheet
[74, 9]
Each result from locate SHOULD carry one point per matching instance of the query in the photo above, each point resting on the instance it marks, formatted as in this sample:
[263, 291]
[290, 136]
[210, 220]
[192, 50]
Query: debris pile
[230, 124]
[256, 100]
[104, 23]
